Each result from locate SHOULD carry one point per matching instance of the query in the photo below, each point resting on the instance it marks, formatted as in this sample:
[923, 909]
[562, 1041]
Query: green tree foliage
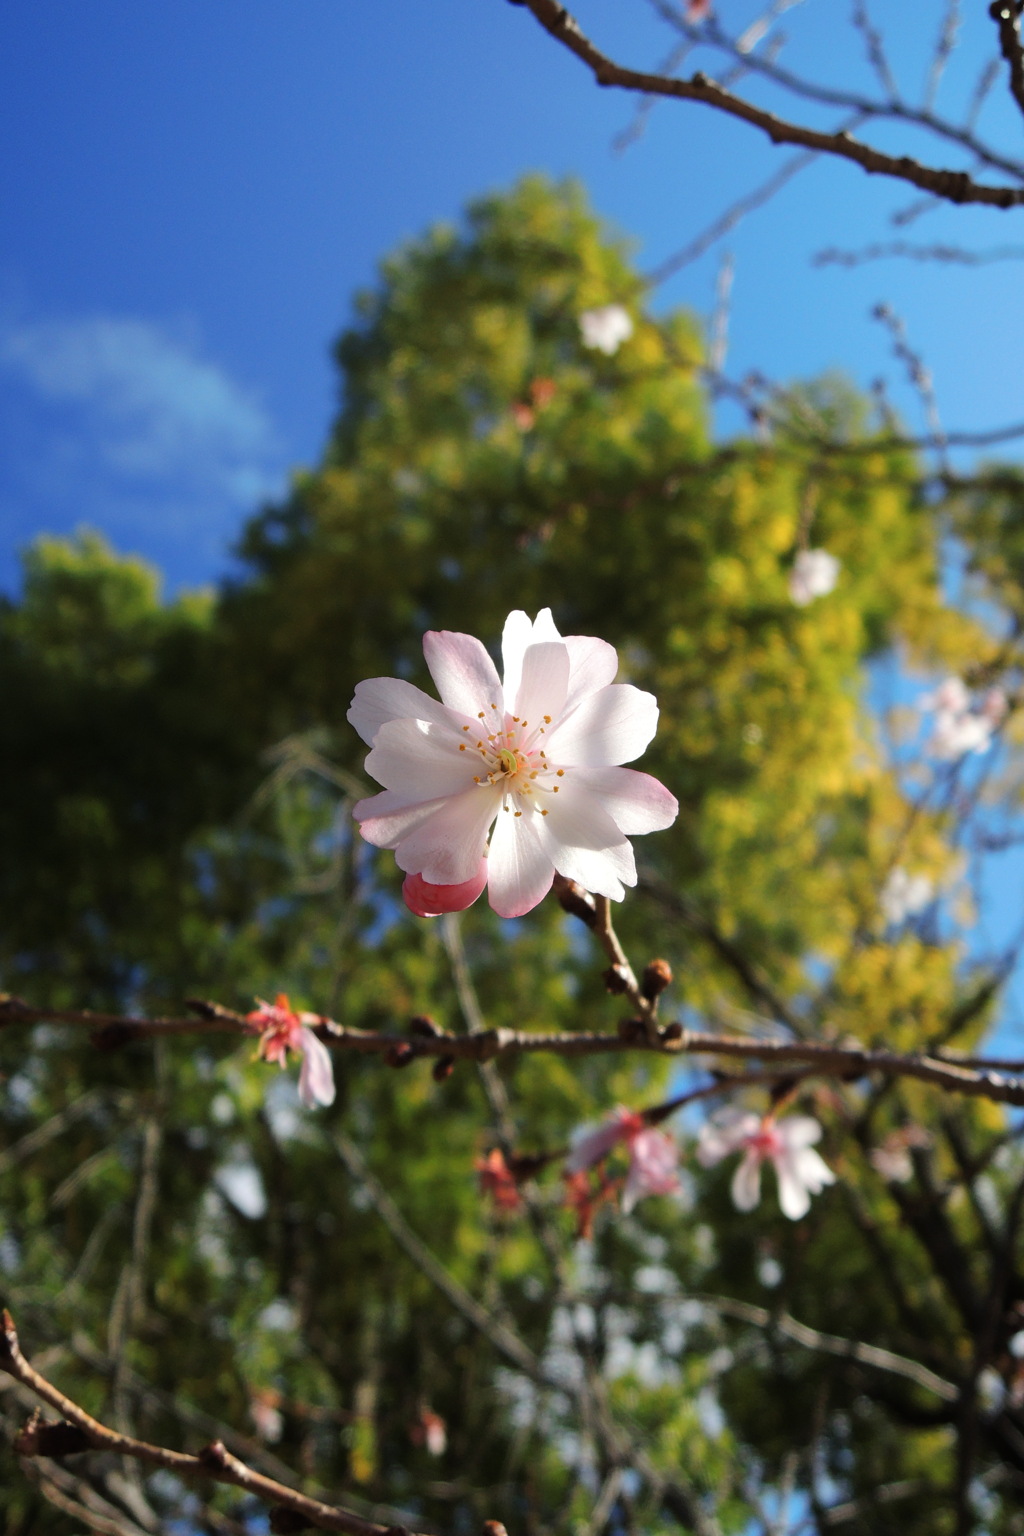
[184, 1243]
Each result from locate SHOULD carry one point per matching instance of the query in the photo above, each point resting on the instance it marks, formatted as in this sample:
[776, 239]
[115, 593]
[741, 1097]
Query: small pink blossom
[509, 780]
[430, 1431]
[814, 573]
[605, 329]
[282, 1030]
[498, 1181]
[787, 1144]
[653, 1155]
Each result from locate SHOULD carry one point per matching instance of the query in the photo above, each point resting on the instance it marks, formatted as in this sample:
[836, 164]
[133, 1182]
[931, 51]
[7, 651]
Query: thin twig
[827, 1343]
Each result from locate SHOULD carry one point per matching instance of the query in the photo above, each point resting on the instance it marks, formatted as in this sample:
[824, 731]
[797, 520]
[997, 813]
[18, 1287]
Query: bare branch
[847, 1349]
[215, 1461]
[953, 186]
[948, 253]
[943, 49]
[1006, 15]
[875, 50]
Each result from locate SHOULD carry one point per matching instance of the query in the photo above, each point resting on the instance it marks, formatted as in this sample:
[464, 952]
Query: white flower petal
[746, 1183]
[386, 818]
[610, 727]
[798, 1131]
[466, 677]
[636, 802]
[793, 1196]
[316, 1078]
[593, 664]
[446, 849]
[812, 1171]
[520, 871]
[415, 759]
[380, 699]
[544, 683]
[519, 632]
[584, 843]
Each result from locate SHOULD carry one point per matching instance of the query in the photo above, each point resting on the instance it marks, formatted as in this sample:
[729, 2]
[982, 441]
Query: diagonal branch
[80, 1432]
[951, 186]
[827, 1343]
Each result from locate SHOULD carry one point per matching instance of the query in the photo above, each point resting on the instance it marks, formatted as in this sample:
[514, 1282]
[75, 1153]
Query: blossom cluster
[653, 1162]
[960, 725]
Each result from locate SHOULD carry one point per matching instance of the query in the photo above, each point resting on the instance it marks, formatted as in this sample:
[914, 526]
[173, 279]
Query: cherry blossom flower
[498, 1181]
[534, 761]
[814, 573]
[282, 1030]
[653, 1155]
[696, 10]
[904, 895]
[605, 329]
[430, 1431]
[788, 1144]
[958, 728]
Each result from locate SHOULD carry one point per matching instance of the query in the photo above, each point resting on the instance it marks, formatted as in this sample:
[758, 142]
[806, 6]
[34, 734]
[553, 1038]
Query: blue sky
[192, 193]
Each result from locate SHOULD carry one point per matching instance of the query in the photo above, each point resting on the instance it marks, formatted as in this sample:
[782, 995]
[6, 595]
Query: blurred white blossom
[605, 329]
[814, 573]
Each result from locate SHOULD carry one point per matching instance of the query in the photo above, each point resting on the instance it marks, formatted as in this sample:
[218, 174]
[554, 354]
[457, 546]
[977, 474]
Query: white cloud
[128, 426]
[157, 408]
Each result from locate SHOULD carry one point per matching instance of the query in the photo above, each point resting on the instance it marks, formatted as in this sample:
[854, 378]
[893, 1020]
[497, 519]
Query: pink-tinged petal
[609, 727]
[636, 802]
[544, 682]
[380, 699]
[316, 1079]
[466, 677]
[746, 1183]
[520, 871]
[520, 632]
[422, 761]
[653, 1160]
[426, 900]
[447, 848]
[592, 1145]
[593, 664]
[794, 1199]
[386, 818]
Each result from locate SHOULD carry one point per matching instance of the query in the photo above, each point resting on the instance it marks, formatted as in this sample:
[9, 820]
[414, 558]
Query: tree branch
[951, 186]
[214, 1461]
